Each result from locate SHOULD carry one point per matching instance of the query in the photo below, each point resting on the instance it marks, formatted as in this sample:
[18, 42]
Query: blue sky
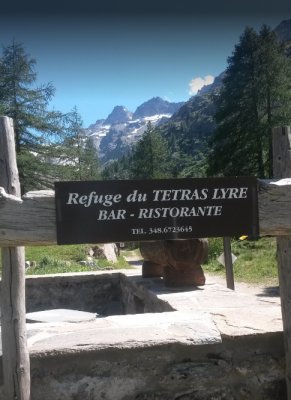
[100, 60]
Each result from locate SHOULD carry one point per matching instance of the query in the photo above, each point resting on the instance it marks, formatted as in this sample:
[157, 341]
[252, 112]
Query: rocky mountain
[112, 137]
[188, 132]
[283, 30]
[187, 126]
[118, 115]
[189, 129]
[213, 86]
[156, 106]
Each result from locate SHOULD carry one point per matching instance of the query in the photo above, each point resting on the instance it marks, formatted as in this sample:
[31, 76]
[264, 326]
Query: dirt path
[241, 287]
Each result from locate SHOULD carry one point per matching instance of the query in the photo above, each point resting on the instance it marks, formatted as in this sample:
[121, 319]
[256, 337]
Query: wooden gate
[31, 220]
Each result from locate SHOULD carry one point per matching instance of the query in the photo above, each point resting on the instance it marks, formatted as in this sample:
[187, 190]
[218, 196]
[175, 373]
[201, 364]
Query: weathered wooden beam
[15, 358]
[282, 169]
[274, 203]
[32, 220]
[228, 263]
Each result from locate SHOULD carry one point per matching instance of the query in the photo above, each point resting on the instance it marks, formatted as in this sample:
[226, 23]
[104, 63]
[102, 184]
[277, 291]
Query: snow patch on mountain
[114, 136]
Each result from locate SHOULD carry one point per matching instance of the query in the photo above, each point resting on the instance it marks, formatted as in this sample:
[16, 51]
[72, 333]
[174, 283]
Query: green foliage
[215, 248]
[50, 145]
[75, 157]
[61, 259]
[118, 169]
[192, 166]
[50, 265]
[151, 157]
[27, 104]
[256, 260]
[187, 134]
[73, 253]
[254, 98]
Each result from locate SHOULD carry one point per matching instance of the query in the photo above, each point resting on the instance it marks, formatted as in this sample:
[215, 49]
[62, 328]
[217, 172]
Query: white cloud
[197, 83]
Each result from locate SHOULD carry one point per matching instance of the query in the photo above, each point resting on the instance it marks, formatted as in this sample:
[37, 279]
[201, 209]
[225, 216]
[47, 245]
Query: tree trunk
[16, 365]
[270, 140]
[282, 169]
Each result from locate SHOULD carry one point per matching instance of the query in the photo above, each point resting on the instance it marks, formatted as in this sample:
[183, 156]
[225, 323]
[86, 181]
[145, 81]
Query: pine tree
[274, 87]
[35, 127]
[76, 158]
[118, 169]
[254, 98]
[151, 157]
[90, 161]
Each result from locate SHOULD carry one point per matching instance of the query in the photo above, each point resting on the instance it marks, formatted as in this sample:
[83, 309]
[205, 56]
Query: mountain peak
[155, 106]
[118, 115]
[283, 30]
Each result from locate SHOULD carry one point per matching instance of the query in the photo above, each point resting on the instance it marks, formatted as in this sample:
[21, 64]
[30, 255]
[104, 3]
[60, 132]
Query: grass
[256, 260]
[61, 259]
[73, 253]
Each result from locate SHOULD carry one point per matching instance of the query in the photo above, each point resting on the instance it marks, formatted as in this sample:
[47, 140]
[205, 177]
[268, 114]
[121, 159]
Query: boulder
[108, 251]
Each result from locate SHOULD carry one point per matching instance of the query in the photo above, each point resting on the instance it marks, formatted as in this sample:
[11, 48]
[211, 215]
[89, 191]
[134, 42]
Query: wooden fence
[31, 220]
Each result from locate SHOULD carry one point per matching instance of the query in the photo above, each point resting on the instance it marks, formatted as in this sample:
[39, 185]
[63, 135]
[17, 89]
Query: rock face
[283, 30]
[114, 136]
[118, 115]
[107, 251]
[178, 261]
[155, 106]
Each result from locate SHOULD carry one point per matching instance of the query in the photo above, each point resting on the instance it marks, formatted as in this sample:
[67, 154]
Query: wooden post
[282, 169]
[228, 263]
[15, 358]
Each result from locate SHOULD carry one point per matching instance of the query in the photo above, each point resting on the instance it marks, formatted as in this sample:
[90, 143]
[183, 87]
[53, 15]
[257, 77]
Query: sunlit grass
[256, 260]
[62, 259]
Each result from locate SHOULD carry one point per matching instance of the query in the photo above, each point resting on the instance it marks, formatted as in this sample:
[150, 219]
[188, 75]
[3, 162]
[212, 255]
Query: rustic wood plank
[228, 263]
[15, 358]
[32, 220]
[282, 169]
[274, 203]
[16, 364]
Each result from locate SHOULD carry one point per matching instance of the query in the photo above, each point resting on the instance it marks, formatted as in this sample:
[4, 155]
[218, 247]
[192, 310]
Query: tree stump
[178, 261]
[155, 258]
[184, 262]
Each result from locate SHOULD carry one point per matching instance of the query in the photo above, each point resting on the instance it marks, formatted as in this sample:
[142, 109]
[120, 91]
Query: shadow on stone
[160, 286]
[271, 291]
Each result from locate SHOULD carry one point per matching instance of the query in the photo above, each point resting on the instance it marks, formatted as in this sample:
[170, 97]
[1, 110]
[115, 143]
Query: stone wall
[138, 299]
[244, 369]
[103, 293]
[189, 345]
[97, 293]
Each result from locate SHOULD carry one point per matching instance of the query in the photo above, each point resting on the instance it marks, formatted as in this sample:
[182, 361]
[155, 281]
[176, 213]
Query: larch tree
[35, 126]
[77, 158]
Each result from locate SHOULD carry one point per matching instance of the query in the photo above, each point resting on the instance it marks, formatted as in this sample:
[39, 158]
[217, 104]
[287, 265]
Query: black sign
[120, 211]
